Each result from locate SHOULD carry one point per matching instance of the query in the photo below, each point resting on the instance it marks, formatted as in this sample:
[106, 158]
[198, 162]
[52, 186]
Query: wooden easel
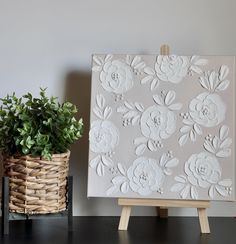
[161, 204]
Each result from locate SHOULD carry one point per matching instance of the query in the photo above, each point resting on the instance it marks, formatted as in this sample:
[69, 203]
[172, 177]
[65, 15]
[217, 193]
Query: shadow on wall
[77, 91]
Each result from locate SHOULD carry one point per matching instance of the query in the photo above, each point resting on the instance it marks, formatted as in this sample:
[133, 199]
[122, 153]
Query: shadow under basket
[37, 186]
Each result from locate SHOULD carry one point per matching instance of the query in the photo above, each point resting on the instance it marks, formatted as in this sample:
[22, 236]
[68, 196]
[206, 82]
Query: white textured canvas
[162, 127]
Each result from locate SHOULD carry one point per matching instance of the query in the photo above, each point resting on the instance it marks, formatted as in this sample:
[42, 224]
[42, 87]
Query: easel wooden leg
[124, 218]
[70, 202]
[203, 220]
[163, 212]
[5, 205]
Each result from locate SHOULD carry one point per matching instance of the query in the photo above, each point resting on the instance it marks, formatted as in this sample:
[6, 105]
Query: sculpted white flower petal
[203, 169]
[117, 76]
[171, 68]
[145, 176]
[158, 122]
[103, 136]
[207, 109]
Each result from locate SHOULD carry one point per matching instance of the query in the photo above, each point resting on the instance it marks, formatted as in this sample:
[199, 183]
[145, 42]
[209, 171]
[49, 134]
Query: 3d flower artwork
[35, 136]
[162, 127]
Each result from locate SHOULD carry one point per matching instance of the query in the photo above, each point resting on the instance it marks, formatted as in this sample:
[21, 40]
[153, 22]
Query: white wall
[49, 44]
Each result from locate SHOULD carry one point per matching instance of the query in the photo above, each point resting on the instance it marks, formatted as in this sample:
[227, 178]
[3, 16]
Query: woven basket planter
[37, 186]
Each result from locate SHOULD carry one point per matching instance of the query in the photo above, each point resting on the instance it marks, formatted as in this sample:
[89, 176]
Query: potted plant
[35, 136]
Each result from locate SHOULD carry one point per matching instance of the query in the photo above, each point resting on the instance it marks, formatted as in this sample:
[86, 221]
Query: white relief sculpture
[117, 76]
[172, 69]
[103, 137]
[203, 170]
[144, 176]
[207, 109]
[157, 122]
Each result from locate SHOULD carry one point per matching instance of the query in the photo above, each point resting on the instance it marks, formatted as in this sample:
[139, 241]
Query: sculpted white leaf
[100, 100]
[130, 114]
[193, 193]
[154, 84]
[108, 57]
[171, 68]
[140, 149]
[204, 83]
[223, 85]
[188, 122]
[94, 162]
[216, 142]
[194, 58]
[167, 171]
[175, 106]
[192, 135]
[145, 176]
[98, 60]
[201, 61]
[172, 163]
[98, 112]
[211, 191]
[177, 187]
[122, 109]
[158, 122]
[136, 60]
[213, 79]
[158, 99]
[118, 180]
[139, 106]
[209, 147]
[135, 119]
[140, 66]
[107, 161]
[226, 143]
[170, 97]
[146, 79]
[124, 187]
[221, 190]
[128, 59]
[183, 139]
[103, 136]
[117, 76]
[225, 183]
[112, 190]
[97, 68]
[100, 169]
[149, 71]
[197, 129]
[181, 178]
[128, 105]
[185, 129]
[224, 71]
[140, 140]
[195, 69]
[207, 109]
[184, 193]
[163, 159]
[224, 153]
[202, 169]
[224, 132]
[121, 169]
[151, 146]
[107, 112]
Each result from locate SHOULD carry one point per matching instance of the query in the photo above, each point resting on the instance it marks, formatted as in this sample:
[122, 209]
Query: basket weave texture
[37, 186]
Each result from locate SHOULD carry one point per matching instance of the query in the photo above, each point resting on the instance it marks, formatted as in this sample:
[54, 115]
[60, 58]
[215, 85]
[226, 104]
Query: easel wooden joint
[163, 205]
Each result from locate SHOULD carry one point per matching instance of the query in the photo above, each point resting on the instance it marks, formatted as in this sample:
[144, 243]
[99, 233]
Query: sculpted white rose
[158, 122]
[103, 136]
[207, 109]
[203, 169]
[171, 68]
[116, 77]
[145, 176]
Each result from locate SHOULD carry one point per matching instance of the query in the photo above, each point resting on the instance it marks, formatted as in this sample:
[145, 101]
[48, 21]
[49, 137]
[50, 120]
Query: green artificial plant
[37, 126]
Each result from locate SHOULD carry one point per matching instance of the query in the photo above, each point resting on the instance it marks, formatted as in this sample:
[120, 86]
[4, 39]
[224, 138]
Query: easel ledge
[162, 205]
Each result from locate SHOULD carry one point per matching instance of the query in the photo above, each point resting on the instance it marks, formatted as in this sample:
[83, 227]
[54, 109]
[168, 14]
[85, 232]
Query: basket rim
[29, 156]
